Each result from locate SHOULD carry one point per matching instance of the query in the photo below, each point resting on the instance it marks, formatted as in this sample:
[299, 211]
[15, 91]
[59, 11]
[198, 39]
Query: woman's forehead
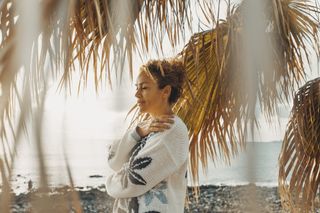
[144, 78]
[140, 83]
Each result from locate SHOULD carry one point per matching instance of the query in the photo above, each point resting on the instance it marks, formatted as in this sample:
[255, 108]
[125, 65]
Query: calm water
[90, 161]
[264, 166]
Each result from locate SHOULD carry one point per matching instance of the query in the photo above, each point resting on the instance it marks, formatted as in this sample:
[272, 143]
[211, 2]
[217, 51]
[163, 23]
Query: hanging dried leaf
[299, 161]
[217, 104]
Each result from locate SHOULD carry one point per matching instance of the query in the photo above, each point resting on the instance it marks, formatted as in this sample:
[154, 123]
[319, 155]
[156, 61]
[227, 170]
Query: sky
[114, 105]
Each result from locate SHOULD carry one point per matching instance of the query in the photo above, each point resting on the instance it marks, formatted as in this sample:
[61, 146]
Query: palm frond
[103, 31]
[68, 33]
[217, 104]
[88, 33]
[207, 108]
[299, 161]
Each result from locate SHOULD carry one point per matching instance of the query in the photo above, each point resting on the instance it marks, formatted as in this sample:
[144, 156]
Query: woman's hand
[158, 124]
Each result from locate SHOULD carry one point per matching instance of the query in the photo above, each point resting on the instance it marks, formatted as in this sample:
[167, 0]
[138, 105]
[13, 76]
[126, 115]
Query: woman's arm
[153, 164]
[119, 150]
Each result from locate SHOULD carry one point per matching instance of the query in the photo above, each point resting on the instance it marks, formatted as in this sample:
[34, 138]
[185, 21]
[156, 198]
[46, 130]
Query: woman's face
[149, 97]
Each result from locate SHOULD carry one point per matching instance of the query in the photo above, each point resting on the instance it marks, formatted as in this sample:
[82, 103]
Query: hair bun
[168, 72]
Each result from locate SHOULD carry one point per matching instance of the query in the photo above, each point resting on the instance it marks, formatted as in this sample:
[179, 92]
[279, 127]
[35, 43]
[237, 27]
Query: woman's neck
[166, 111]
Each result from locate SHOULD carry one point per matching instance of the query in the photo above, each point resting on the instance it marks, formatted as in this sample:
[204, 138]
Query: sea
[89, 167]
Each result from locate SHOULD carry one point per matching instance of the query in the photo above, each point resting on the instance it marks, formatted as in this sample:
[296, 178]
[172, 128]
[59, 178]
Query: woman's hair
[167, 72]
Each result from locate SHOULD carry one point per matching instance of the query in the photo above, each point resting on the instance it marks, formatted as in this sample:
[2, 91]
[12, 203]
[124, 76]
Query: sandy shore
[212, 199]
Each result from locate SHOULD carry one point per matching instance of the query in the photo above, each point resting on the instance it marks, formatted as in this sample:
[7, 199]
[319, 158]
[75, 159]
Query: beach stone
[211, 199]
[95, 176]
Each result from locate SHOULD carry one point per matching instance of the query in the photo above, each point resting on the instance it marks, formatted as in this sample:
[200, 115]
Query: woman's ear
[167, 91]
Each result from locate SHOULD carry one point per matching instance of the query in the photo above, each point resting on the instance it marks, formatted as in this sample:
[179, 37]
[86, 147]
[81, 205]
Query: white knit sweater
[151, 172]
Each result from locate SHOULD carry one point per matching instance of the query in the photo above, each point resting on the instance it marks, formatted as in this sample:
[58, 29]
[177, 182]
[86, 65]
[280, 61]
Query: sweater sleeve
[119, 150]
[162, 157]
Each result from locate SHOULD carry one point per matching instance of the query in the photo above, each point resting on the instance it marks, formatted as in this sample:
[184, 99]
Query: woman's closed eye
[142, 88]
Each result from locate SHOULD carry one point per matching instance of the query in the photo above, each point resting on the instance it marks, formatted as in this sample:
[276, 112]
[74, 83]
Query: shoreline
[213, 198]
[241, 198]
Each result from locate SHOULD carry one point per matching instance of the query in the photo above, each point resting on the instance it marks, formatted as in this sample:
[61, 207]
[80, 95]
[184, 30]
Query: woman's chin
[142, 110]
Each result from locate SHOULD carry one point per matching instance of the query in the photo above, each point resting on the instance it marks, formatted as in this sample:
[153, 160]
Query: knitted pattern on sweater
[150, 174]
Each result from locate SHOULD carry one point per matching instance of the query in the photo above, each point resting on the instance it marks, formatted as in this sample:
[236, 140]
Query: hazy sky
[114, 105]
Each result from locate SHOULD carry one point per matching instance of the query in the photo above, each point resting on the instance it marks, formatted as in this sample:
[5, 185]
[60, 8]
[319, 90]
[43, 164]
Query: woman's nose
[138, 94]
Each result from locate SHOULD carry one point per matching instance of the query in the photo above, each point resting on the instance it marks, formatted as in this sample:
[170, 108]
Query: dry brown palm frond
[103, 31]
[64, 34]
[299, 161]
[84, 32]
[90, 33]
[218, 103]
[206, 59]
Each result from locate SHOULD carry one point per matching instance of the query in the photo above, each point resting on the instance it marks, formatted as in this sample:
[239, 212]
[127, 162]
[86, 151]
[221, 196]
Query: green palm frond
[299, 161]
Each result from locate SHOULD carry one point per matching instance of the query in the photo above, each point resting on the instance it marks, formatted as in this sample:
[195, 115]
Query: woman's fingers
[165, 119]
[162, 124]
[159, 124]
[159, 129]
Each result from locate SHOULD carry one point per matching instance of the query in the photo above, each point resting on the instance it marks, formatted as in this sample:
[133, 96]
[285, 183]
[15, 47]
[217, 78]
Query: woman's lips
[140, 102]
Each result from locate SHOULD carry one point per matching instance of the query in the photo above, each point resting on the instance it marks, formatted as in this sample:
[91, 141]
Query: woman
[150, 161]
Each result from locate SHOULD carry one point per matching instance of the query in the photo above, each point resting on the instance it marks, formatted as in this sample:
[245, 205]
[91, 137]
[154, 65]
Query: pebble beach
[222, 198]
